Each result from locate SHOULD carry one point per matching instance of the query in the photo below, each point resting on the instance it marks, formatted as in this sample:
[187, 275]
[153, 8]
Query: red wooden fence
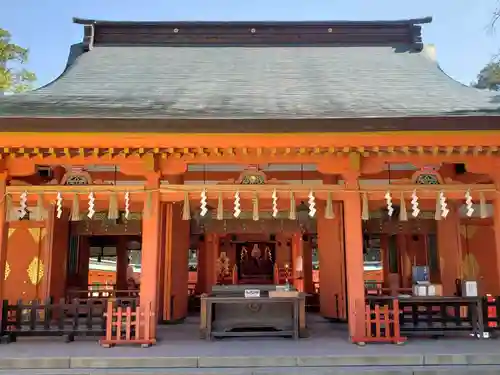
[382, 325]
[125, 326]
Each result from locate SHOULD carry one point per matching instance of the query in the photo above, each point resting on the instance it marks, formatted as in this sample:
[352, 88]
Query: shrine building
[181, 155]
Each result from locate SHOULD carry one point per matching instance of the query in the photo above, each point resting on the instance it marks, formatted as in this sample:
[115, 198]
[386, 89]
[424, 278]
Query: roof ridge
[262, 33]
[409, 21]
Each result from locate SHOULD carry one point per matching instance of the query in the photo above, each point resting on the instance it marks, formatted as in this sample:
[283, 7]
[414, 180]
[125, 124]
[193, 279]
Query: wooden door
[25, 268]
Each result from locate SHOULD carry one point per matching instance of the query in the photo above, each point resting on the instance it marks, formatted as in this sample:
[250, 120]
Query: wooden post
[179, 261]
[201, 284]
[150, 254]
[3, 233]
[496, 228]
[354, 264]
[122, 263]
[167, 263]
[331, 264]
[450, 250]
[308, 267]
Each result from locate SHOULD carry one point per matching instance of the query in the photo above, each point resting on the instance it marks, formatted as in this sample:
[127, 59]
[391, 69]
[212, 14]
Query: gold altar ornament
[36, 271]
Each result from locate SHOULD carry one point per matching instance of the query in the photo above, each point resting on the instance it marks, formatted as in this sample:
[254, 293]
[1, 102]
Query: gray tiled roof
[250, 82]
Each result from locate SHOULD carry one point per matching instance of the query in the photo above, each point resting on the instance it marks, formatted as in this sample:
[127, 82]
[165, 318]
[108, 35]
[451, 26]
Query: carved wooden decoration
[252, 176]
[425, 176]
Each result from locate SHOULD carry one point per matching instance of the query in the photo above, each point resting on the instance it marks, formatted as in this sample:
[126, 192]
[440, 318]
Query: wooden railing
[381, 324]
[438, 316]
[37, 319]
[131, 325]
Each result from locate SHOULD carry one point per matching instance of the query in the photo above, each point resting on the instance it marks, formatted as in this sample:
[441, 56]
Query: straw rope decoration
[113, 213]
[403, 215]
[186, 211]
[220, 207]
[329, 214]
[41, 213]
[292, 215]
[365, 210]
[255, 207]
[75, 209]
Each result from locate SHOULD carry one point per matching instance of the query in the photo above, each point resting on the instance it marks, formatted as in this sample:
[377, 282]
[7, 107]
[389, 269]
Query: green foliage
[489, 77]
[13, 78]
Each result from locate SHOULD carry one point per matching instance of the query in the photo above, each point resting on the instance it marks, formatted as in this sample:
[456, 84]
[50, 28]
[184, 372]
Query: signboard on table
[252, 293]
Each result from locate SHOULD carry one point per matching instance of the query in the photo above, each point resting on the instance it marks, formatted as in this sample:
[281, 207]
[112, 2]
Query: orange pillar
[496, 228]
[56, 247]
[3, 233]
[167, 262]
[331, 264]
[151, 251]
[179, 262]
[354, 264]
[298, 269]
[450, 249]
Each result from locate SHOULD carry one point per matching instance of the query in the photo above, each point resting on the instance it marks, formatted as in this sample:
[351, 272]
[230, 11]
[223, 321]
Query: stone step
[404, 364]
[353, 370]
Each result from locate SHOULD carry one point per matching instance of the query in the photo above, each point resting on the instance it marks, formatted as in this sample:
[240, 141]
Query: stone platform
[180, 351]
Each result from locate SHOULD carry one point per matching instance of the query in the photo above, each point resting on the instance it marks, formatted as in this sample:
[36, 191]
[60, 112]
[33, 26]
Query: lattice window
[427, 179]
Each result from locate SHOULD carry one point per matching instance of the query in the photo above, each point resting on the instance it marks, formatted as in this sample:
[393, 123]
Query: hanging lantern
[127, 205]
[388, 201]
[59, 209]
[203, 203]
[23, 205]
[312, 204]
[443, 205]
[275, 203]
[469, 204]
[91, 212]
[237, 205]
[415, 211]
[302, 212]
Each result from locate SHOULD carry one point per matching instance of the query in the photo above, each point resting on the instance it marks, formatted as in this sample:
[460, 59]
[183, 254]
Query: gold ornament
[36, 271]
[7, 270]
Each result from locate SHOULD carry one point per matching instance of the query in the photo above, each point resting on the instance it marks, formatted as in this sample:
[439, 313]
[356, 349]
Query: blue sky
[459, 30]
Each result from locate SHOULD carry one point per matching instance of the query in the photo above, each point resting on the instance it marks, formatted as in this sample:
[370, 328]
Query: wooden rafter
[194, 153]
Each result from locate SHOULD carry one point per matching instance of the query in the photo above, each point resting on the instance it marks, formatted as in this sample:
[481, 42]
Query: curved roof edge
[75, 51]
[412, 21]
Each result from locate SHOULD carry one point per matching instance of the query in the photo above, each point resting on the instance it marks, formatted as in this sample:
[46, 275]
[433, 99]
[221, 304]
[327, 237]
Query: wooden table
[258, 307]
